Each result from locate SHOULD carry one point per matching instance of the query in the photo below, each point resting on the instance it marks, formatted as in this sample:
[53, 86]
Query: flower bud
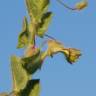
[73, 55]
[81, 5]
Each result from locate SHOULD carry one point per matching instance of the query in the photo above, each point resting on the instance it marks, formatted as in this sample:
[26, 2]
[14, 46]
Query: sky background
[73, 29]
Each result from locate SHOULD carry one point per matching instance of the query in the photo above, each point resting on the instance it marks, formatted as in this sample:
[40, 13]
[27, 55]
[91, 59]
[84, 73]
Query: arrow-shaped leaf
[20, 76]
[24, 35]
[36, 8]
[43, 26]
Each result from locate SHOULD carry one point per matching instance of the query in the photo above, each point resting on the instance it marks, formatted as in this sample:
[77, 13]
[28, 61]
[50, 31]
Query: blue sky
[73, 29]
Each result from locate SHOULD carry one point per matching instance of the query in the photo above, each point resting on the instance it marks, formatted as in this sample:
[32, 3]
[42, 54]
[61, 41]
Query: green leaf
[20, 76]
[43, 26]
[36, 88]
[36, 8]
[32, 63]
[24, 35]
[32, 89]
[55, 47]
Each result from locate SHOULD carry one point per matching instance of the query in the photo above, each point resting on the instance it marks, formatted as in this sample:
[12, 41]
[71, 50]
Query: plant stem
[50, 37]
[32, 30]
[65, 5]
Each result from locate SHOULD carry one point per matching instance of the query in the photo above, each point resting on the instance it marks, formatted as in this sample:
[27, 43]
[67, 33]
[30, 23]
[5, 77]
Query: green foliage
[32, 89]
[32, 63]
[20, 76]
[39, 21]
[36, 8]
[43, 26]
[25, 66]
[24, 35]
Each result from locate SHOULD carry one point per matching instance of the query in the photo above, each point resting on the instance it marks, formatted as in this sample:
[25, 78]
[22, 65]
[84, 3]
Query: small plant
[24, 67]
